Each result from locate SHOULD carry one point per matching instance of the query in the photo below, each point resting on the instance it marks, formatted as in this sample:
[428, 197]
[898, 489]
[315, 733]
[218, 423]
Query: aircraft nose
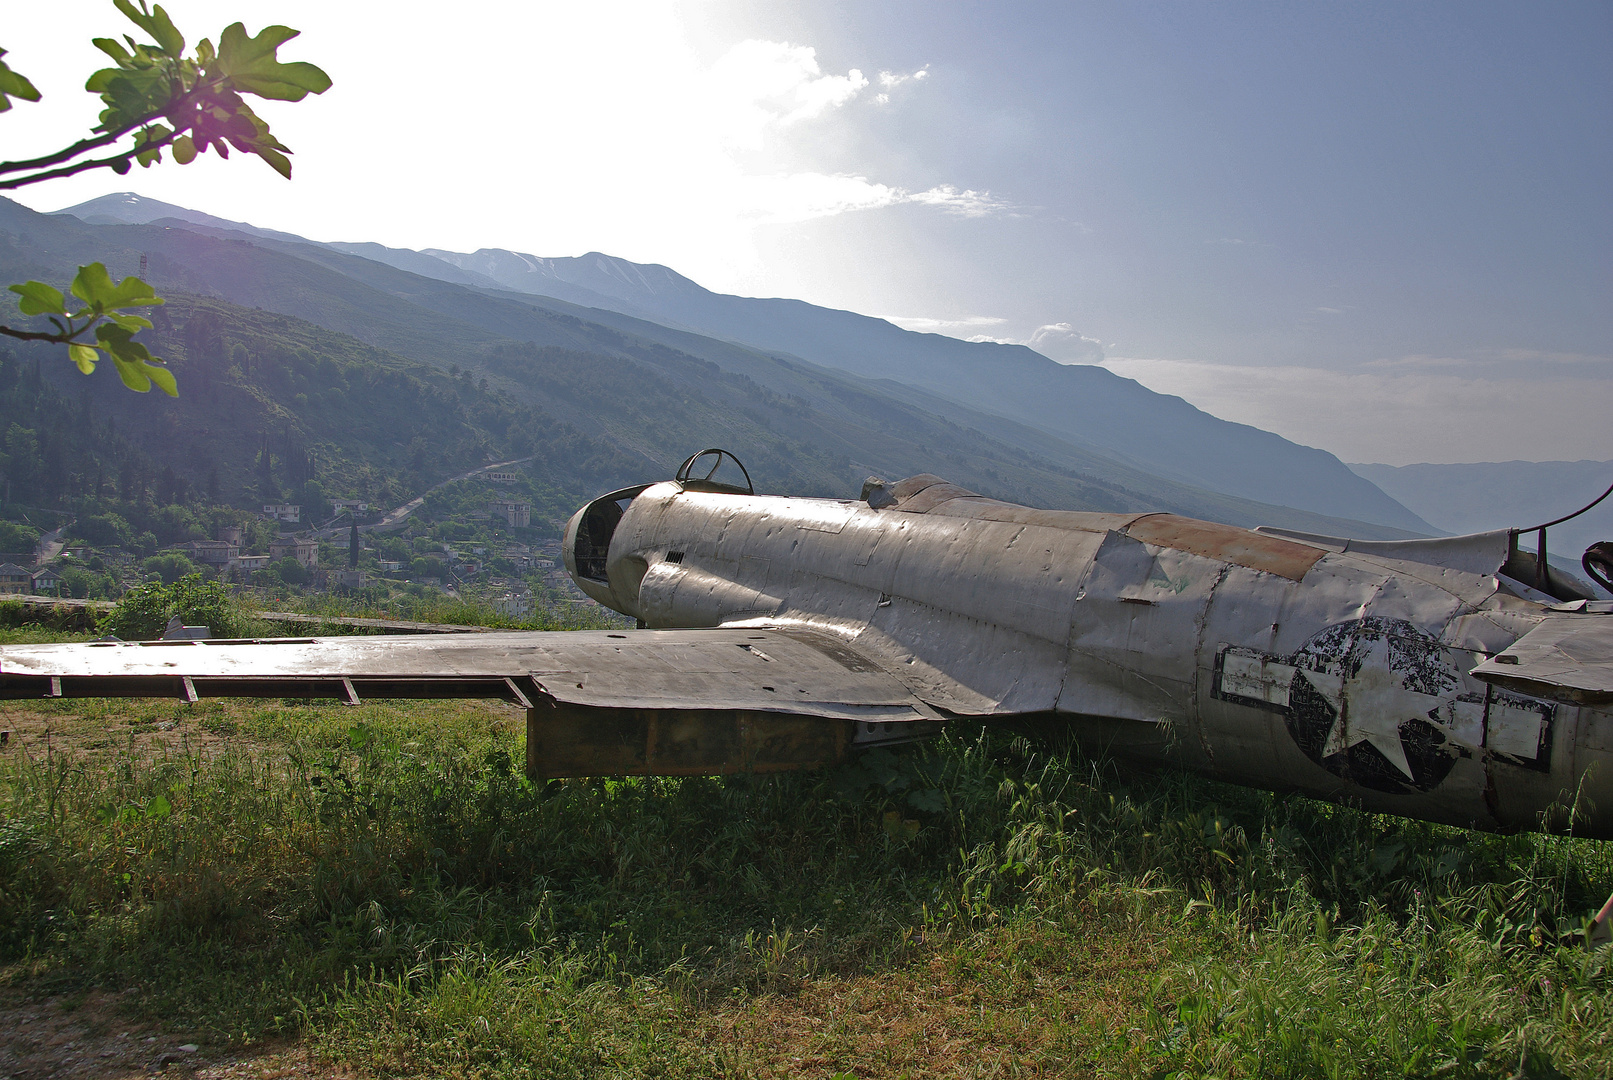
[587, 544]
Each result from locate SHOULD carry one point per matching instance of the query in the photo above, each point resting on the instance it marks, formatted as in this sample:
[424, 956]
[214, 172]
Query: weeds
[385, 882]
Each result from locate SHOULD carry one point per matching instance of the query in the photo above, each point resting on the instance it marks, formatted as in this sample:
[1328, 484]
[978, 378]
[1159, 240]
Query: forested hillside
[299, 363]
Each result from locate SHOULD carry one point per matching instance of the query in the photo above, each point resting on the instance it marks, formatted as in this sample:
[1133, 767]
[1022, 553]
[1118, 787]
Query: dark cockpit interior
[594, 532]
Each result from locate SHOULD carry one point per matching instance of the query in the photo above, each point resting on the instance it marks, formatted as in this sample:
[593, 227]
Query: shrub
[14, 537]
[170, 566]
[105, 530]
[144, 612]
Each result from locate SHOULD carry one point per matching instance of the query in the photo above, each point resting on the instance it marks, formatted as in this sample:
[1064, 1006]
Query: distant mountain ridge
[1084, 404]
[1128, 432]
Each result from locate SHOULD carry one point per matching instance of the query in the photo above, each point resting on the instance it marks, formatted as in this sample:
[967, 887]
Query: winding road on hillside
[50, 545]
[396, 515]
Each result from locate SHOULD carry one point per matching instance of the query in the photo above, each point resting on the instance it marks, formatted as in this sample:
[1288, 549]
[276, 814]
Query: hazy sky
[1384, 230]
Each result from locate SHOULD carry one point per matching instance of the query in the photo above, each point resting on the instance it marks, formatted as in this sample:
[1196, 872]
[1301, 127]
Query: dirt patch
[85, 1035]
[95, 729]
[76, 1035]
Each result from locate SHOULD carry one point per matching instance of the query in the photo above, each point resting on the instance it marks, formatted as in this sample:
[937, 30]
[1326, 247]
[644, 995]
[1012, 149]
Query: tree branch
[81, 147]
[30, 335]
[84, 166]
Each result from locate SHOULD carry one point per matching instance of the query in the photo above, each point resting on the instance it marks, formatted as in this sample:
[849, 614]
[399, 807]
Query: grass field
[380, 892]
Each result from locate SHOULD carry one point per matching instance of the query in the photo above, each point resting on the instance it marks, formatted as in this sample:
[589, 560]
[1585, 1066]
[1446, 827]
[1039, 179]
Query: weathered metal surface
[724, 669]
[1227, 544]
[1259, 658]
[1568, 658]
[566, 740]
[1363, 672]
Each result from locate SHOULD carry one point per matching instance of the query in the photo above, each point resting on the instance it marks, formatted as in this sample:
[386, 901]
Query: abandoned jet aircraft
[1456, 680]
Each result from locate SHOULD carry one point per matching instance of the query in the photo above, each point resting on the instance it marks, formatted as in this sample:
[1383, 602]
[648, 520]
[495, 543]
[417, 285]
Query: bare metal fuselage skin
[1246, 656]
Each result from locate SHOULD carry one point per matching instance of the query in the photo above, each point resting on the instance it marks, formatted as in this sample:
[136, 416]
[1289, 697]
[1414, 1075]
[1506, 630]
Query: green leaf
[84, 356]
[136, 366]
[13, 85]
[132, 323]
[163, 377]
[40, 299]
[132, 373]
[167, 35]
[277, 161]
[159, 807]
[115, 51]
[116, 340]
[93, 285]
[157, 24]
[251, 65]
[184, 150]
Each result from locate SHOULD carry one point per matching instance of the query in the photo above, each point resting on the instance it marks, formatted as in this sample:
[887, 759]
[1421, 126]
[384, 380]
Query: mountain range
[652, 363]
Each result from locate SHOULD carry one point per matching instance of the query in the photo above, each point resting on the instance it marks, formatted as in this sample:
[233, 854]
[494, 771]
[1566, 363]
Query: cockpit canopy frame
[693, 476]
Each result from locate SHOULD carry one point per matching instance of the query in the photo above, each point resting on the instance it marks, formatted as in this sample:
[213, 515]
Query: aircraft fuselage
[1248, 656]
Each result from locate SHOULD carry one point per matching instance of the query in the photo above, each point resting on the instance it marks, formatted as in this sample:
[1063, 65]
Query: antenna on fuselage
[1601, 557]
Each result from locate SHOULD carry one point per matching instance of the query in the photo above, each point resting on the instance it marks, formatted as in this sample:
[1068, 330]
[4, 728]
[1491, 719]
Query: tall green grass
[386, 883]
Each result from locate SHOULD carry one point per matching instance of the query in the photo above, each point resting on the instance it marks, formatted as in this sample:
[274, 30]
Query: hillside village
[474, 540]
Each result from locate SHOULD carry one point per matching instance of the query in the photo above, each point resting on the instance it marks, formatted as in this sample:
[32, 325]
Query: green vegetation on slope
[273, 404]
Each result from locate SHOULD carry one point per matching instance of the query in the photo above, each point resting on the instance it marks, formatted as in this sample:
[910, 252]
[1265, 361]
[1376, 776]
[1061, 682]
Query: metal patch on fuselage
[1381, 703]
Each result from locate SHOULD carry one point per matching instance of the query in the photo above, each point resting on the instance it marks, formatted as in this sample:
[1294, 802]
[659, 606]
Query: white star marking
[1378, 703]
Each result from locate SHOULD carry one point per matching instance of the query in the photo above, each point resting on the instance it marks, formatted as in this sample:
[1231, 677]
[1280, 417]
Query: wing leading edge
[666, 702]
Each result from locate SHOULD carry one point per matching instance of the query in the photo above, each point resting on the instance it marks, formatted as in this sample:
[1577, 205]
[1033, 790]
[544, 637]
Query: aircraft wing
[1569, 659]
[763, 670]
[599, 702]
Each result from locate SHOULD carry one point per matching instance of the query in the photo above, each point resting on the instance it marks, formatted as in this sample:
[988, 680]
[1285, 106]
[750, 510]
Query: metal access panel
[568, 740]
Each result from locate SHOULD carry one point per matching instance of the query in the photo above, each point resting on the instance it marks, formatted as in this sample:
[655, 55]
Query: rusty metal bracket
[516, 696]
[568, 740]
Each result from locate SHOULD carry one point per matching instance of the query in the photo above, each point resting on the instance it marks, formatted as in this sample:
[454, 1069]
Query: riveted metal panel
[1567, 658]
[964, 665]
[1135, 631]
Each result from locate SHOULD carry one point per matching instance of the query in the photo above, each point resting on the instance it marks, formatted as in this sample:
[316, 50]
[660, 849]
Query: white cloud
[890, 80]
[1056, 341]
[1433, 409]
[794, 197]
[781, 200]
[758, 87]
[559, 128]
[1067, 345]
[950, 327]
[967, 203]
[1502, 363]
